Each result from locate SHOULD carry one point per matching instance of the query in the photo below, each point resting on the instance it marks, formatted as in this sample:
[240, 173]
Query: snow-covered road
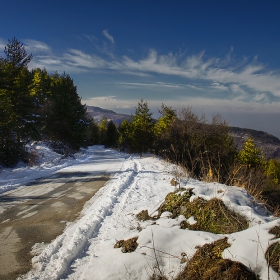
[136, 184]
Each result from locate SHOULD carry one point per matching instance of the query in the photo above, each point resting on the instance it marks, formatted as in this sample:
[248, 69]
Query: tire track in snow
[123, 214]
[56, 259]
[127, 184]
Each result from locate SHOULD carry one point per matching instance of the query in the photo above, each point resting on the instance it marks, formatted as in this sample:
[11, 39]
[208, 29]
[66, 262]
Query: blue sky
[216, 56]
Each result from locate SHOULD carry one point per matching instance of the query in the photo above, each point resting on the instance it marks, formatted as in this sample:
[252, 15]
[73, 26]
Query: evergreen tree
[16, 103]
[112, 134]
[272, 170]
[142, 128]
[66, 117]
[125, 136]
[92, 134]
[167, 117]
[103, 131]
[250, 154]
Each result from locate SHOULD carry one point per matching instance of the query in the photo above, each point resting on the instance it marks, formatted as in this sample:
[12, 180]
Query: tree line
[204, 148]
[36, 105]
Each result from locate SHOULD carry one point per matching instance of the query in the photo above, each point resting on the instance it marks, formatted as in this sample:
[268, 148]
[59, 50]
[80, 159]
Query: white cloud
[80, 59]
[91, 38]
[108, 36]
[155, 85]
[34, 46]
[3, 44]
[225, 78]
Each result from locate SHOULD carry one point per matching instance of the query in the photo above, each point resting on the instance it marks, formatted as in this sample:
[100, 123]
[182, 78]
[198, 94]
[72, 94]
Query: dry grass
[128, 246]
[143, 216]
[272, 254]
[210, 215]
[207, 263]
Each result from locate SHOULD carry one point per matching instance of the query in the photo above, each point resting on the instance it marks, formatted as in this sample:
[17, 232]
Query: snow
[86, 250]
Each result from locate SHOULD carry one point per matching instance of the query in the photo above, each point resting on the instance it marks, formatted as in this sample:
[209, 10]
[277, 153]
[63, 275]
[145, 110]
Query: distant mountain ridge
[98, 113]
[269, 143]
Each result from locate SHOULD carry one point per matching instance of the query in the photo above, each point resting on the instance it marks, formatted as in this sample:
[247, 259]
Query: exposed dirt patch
[40, 219]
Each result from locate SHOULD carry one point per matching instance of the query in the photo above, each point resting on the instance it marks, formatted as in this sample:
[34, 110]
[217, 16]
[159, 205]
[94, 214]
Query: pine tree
[92, 133]
[103, 130]
[142, 128]
[125, 136]
[112, 135]
[40, 90]
[167, 117]
[16, 102]
[250, 154]
[66, 117]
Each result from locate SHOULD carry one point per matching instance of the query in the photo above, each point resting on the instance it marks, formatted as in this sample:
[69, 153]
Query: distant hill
[98, 113]
[270, 144]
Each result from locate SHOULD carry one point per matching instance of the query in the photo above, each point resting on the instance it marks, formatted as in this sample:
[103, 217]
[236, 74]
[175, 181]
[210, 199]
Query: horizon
[218, 57]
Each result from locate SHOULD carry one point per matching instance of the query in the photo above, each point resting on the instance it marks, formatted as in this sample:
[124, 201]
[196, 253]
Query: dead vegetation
[143, 215]
[272, 254]
[207, 263]
[128, 246]
[210, 215]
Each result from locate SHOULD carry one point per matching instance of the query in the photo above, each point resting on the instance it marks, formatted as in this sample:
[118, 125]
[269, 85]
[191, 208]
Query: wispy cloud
[91, 38]
[108, 36]
[36, 47]
[155, 85]
[225, 78]
[3, 43]
[79, 59]
[221, 74]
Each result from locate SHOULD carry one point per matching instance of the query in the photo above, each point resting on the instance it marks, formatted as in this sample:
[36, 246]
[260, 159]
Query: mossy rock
[128, 246]
[207, 263]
